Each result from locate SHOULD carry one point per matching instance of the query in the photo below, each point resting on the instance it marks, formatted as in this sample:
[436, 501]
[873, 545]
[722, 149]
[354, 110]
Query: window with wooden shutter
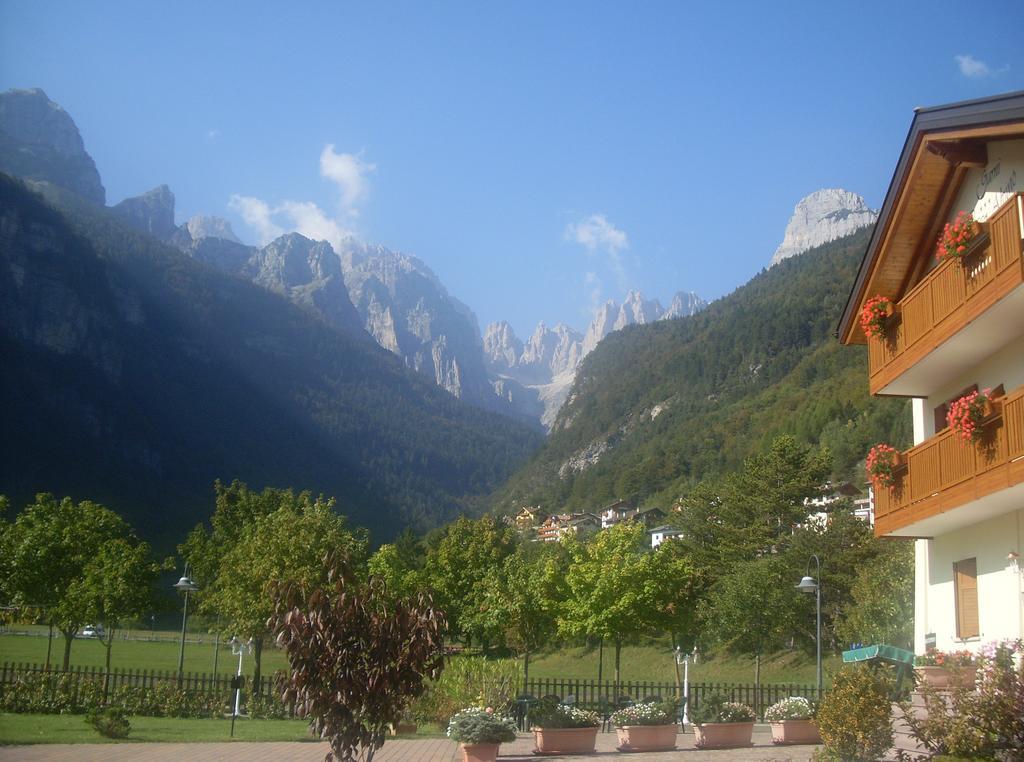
[965, 583]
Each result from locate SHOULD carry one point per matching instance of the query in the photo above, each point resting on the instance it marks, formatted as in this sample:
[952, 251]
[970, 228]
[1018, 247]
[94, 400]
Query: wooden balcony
[950, 320]
[945, 482]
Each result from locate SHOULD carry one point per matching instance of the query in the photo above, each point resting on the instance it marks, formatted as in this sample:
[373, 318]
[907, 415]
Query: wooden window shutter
[965, 582]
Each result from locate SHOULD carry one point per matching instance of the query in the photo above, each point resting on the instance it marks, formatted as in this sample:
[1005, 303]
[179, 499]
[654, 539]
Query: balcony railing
[949, 298]
[945, 472]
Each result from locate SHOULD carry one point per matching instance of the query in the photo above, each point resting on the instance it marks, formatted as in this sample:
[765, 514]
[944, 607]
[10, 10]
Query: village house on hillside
[944, 326]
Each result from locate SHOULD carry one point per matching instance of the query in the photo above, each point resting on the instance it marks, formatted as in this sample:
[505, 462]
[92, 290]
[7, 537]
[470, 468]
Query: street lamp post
[684, 659]
[184, 585]
[238, 648]
[813, 585]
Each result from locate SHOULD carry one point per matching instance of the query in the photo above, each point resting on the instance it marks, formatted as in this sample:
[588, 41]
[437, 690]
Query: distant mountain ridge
[540, 372]
[148, 362]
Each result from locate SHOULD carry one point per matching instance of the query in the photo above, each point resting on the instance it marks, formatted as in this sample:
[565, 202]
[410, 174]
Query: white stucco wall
[1000, 584]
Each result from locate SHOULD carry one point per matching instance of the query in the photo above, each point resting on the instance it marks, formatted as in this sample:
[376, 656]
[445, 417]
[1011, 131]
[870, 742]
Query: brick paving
[398, 750]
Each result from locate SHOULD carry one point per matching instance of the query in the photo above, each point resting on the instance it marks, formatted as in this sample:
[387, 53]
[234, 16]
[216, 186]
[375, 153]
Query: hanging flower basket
[966, 414]
[874, 316]
[881, 464]
[955, 241]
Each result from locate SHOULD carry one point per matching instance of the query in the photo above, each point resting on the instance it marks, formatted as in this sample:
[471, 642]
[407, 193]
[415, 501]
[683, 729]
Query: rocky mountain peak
[293, 260]
[151, 213]
[40, 141]
[205, 226]
[637, 310]
[821, 217]
[684, 304]
[502, 348]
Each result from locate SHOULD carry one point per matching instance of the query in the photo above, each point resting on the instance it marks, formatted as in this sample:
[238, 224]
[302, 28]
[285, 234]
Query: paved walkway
[399, 750]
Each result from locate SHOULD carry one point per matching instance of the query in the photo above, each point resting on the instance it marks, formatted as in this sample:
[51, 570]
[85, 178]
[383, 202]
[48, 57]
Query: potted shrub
[480, 732]
[722, 724]
[881, 465]
[561, 729]
[792, 721]
[874, 314]
[940, 669]
[955, 241]
[649, 726]
[966, 414]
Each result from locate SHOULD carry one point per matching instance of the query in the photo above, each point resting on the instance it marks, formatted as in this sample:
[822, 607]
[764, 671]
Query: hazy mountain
[204, 226]
[152, 212]
[823, 216]
[658, 406]
[39, 141]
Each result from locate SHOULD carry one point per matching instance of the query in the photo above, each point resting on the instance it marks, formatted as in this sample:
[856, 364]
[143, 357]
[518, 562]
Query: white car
[92, 631]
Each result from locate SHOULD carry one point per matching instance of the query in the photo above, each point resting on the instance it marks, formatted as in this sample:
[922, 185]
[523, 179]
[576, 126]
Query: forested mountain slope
[136, 376]
[656, 408]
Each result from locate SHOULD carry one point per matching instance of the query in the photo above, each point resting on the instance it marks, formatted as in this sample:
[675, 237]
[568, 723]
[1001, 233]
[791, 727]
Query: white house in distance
[957, 325]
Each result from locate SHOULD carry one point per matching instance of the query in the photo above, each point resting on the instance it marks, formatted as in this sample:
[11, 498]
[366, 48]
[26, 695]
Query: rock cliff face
[40, 141]
[202, 226]
[544, 368]
[151, 213]
[408, 311]
[823, 216]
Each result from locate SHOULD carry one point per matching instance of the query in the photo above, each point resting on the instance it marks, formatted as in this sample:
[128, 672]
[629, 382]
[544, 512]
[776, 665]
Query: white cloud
[212, 135]
[256, 214]
[594, 288]
[349, 172]
[972, 67]
[597, 235]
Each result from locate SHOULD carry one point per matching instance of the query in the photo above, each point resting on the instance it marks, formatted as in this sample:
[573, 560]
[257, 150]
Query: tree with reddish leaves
[357, 656]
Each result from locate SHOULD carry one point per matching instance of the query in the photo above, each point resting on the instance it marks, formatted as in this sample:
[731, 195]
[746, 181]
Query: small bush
[551, 714]
[468, 681]
[792, 708]
[854, 717]
[718, 708]
[477, 725]
[647, 713]
[110, 722]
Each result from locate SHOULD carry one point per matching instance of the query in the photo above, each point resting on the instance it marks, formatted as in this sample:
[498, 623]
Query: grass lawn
[72, 728]
[654, 662]
[136, 654]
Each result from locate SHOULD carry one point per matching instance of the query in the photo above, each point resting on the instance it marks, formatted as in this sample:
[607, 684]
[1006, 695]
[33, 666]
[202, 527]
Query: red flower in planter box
[956, 238]
[874, 314]
[880, 464]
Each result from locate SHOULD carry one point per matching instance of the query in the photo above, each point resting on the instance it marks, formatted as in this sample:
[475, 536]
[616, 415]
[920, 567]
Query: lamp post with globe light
[813, 585]
[184, 585]
[238, 648]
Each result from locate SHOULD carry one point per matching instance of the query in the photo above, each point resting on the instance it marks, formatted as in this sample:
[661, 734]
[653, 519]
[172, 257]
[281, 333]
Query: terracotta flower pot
[795, 731]
[479, 752]
[565, 740]
[647, 737]
[945, 677]
[724, 735]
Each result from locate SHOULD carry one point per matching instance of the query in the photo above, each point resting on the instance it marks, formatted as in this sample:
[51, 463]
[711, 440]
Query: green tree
[457, 565]
[399, 565]
[55, 548]
[119, 583]
[882, 599]
[618, 588]
[750, 611]
[287, 544]
[520, 602]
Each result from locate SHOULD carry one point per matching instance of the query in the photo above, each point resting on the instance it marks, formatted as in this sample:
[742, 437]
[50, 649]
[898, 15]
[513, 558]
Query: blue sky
[538, 156]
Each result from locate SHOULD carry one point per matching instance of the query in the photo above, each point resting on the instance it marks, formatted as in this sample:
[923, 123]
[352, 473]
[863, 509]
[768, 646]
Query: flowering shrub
[956, 238]
[873, 315]
[880, 465]
[476, 725]
[976, 721]
[549, 714]
[648, 713]
[792, 708]
[935, 658]
[716, 708]
[966, 414]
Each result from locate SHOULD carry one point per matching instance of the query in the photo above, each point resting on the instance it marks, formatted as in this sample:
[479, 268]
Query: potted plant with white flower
[480, 732]
[561, 729]
[792, 721]
[648, 726]
[722, 724]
